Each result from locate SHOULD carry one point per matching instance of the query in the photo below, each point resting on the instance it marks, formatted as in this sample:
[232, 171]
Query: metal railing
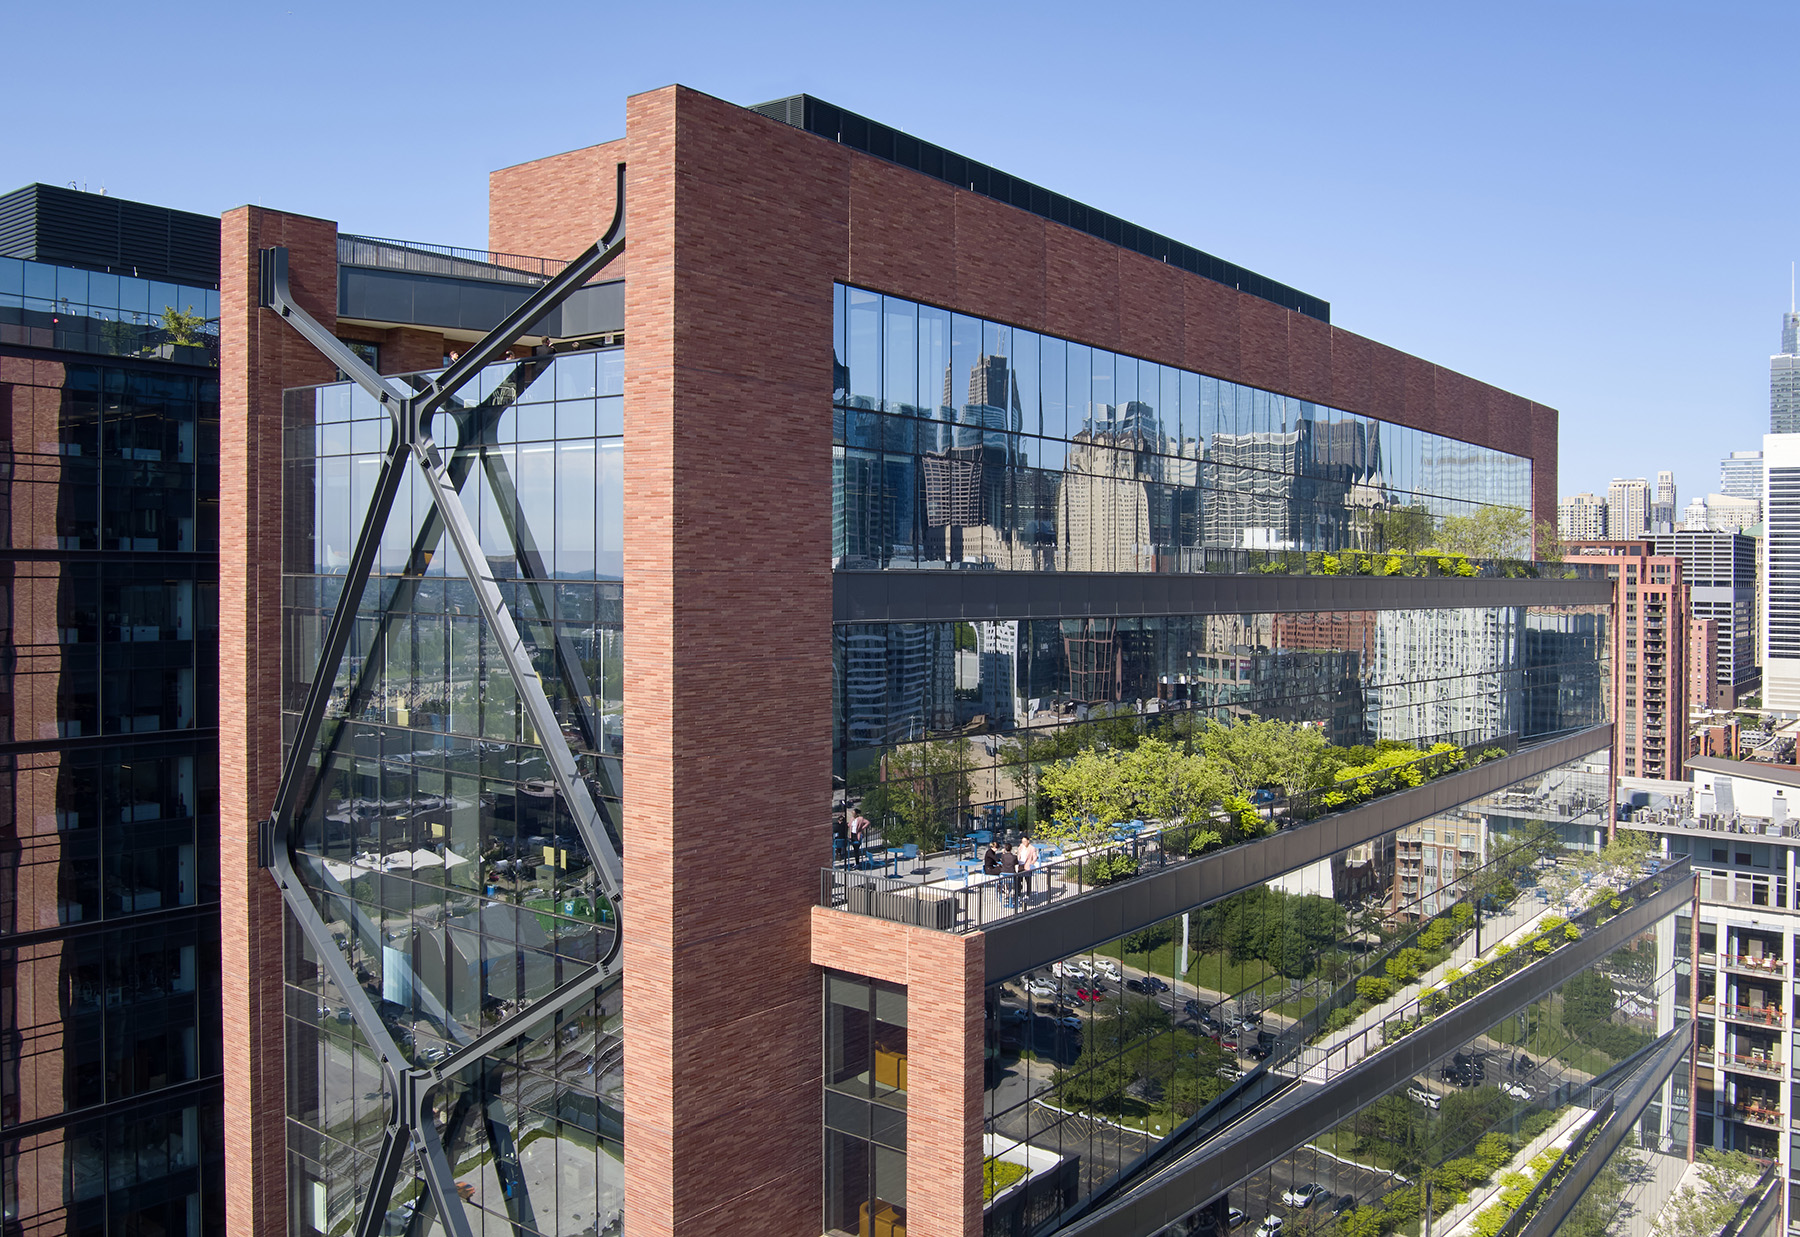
[419, 258]
[967, 903]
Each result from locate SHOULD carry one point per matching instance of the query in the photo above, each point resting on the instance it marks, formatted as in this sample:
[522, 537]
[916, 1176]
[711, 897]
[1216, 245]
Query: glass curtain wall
[432, 839]
[963, 442]
[109, 1006]
[981, 703]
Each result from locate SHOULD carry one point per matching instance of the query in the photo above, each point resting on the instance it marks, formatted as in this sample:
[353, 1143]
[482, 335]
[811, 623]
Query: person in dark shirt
[1009, 877]
[990, 862]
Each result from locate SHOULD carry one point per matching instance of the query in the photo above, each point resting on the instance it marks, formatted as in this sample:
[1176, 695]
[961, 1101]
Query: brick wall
[557, 206]
[944, 976]
[261, 355]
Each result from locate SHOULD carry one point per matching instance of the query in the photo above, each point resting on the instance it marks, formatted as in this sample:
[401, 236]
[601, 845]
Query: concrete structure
[797, 575]
[1724, 512]
[1741, 475]
[1780, 575]
[1628, 504]
[1664, 511]
[1735, 820]
[1581, 518]
[1720, 571]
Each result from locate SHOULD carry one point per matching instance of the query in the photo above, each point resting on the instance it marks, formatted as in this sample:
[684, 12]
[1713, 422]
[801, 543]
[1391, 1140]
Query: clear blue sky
[1593, 205]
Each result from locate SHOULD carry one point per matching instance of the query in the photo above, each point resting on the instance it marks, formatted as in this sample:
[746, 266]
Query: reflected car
[1092, 996]
[1108, 969]
[1230, 1073]
[1154, 984]
[1042, 987]
[1136, 985]
[1304, 1195]
[1234, 1216]
[1013, 1014]
[1343, 1204]
[1194, 1009]
[1270, 1226]
[1069, 1022]
[1516, 1091]
[1260, 1051]
[1419, 1095]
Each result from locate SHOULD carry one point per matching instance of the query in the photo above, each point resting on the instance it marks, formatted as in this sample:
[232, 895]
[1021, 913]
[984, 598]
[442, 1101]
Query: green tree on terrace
[923, 790]
[1487, 532]
[1402, 530]
[1259, 753]
[1092, 791]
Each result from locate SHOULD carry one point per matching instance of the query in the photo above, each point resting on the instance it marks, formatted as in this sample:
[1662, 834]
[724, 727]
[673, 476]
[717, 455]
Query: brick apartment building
[693, 595]
[1651, 670]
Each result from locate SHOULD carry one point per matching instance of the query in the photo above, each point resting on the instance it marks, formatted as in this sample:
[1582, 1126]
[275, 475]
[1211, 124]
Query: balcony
[1755, 1015]
[1775, 967]
[1766, 1116]
[1750, 1064]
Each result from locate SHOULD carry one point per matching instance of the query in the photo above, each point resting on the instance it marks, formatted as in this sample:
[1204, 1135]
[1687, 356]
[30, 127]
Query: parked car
[1516, 1091]
[1075, 968]
[1013, 1014]
[1234, 1216]
[1304, 1195]
[1457, 1077]
[1069, 1022]
[1091, 996]
[1043, 988]
[1108, 968]
[1521, 1064]
[1136, 985]
[1251, 1017]
[1194, 1009]
[1343, 1204]
[1473, 1062]
[1153, 983]
[1230, 1073]
[1266, 1037]
[1270, 1226]
[1211, 1025]
[1260, 1051]
[1419, 1095]
[1229, 1043]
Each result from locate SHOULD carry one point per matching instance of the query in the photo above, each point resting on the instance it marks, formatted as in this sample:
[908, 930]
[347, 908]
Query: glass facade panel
[986, 700]
[1004, 449]
[46, 306]
[864, 1105]
[436, 847]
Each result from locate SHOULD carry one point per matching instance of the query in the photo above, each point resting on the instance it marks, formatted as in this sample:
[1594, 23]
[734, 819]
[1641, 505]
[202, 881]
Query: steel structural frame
[410, 1088]
[1240, 1149]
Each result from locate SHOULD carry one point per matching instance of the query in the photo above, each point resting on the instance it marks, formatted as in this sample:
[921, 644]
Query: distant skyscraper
[1662, 513]
[1720, 571]
[1741, 475]
[1581, 518]
[1784, 378]
[1780, 574]
[1627, 508]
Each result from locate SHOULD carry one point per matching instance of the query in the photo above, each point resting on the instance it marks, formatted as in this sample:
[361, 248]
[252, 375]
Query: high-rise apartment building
[1780, 574]
[1664, 511]
[1725, 512]
[110, 1067]
[1650, 657]
[1741, 475]
[1784, 378]
[1720, 571]
[1581, 518]
[1735, 822]
[498, 968]
[1628, 504]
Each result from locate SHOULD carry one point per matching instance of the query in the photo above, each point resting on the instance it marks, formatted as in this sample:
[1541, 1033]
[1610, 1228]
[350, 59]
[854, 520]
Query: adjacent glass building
[110, 1037]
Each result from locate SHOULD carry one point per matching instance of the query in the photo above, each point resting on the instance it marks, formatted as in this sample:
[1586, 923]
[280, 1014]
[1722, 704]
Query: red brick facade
[737, 229]
[261, 355]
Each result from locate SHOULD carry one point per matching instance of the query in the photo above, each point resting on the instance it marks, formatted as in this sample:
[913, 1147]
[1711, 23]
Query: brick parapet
[260, 356]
